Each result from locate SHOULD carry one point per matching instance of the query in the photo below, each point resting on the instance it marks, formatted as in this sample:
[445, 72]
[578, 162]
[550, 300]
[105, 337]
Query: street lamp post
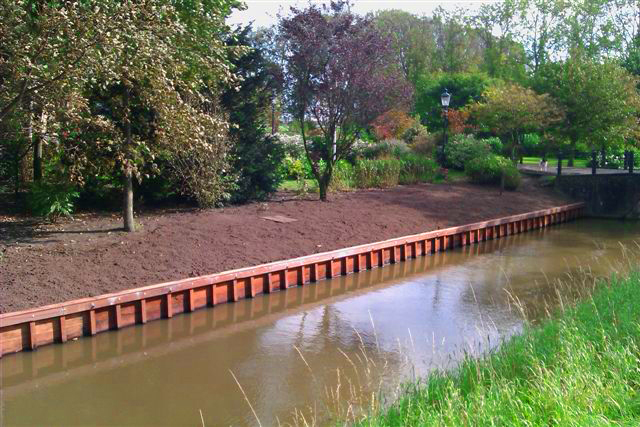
[444, 100]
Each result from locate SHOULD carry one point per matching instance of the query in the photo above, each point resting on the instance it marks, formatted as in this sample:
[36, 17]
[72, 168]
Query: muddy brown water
[313, 353]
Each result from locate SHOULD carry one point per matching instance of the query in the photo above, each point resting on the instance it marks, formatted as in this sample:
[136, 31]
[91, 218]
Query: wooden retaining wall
[40, 326]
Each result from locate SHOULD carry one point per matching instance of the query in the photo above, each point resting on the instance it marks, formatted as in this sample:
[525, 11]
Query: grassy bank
[579, 368]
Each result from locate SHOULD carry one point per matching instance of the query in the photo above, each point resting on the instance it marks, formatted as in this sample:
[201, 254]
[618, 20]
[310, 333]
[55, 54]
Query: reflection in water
[317, 348]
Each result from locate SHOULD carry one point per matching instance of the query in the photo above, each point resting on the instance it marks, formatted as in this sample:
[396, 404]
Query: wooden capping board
[115, 300]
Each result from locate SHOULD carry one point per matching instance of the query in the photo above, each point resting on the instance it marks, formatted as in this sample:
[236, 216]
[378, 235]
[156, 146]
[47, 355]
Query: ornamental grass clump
[377, 173]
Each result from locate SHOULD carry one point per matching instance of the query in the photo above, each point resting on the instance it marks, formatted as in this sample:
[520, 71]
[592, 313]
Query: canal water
[313, 353]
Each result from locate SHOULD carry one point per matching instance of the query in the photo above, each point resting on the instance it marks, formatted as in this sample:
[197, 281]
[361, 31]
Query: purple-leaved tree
[341, 76]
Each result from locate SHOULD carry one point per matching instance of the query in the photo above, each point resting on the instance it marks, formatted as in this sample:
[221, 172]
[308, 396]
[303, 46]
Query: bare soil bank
[90, 255]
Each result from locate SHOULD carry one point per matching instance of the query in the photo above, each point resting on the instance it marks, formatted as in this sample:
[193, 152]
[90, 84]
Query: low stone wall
[606, 195]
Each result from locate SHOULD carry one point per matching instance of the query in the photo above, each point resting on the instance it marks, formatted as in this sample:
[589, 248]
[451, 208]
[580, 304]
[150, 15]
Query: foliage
[377, 173]
[387, 148]
[338, 74]
[342, 178]
[420, 140]
[465, 88]
[256, 155]
[579, 367]
[412, 40]
[52, 200]
[392, 124]
[458, 121]
[463, 148]
[512, 110]
[496, 145]
[416, 168]
[531, 143]
[491, 169]
[600, 100]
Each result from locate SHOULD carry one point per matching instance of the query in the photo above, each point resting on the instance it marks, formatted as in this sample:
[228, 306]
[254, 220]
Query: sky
[263, 13]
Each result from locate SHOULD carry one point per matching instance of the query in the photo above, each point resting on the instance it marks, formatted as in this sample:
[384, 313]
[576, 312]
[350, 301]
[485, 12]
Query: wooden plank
[118, 316]
[92, 322]
[191, 304]
[143, 311]
[63, 329]
[169, 305]
[234, 290]
[32, 336]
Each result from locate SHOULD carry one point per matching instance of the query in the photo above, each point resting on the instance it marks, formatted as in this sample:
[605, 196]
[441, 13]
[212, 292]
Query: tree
[338, 75]
[170, 58]
[412, 40]
[600, 100]
[46, 51]
[465, 88]
[256, 155]
[511, 110]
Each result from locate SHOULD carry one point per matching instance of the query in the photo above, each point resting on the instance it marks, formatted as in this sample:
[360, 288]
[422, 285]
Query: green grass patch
[578, 368]
[297, 185]
[552, 162]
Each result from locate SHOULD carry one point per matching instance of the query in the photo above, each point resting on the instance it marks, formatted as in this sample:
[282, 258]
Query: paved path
[535, 170]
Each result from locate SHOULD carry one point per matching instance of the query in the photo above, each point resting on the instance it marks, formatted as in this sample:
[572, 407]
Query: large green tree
[511, 110]
[600, 100]
[256, 154]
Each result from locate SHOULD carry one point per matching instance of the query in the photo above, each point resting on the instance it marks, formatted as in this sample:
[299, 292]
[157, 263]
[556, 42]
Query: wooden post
[143, 311]
[32, 336]
[63, 329]
[169, 304]
[92, 322]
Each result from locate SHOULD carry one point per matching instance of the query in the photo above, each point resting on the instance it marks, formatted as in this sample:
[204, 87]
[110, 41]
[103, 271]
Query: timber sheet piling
[58, 323]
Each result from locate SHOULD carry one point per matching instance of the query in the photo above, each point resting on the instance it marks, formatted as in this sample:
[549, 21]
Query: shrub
[416, 168]
[490, 169]
[377, 173]
[463, 148]
[52, 200]
[386, 148]
[392, 124]
[496, 145]
[419, 140]
[342, 178]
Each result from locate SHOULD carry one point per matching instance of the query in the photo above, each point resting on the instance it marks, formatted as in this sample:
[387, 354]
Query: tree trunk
[323, 187]
[37, 157]
[572, 154]
[129, 224]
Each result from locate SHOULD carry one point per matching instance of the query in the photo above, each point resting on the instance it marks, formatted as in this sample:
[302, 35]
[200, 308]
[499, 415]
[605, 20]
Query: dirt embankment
[89, 256]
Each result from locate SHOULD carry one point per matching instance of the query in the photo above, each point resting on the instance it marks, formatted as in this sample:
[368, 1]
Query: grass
[553, 162]
[580, 367]
[294, 185]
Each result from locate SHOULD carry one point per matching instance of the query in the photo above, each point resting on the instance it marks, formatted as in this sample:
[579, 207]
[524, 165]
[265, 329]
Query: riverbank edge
[581, 366]
[58, 323]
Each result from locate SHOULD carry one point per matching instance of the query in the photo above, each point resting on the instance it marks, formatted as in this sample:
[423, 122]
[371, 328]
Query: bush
[417, 169]
[52, 200]
[463, 148]
[419, 140]
[342, 177]
[392, 124]
[377, 173]
[490, 169]
[386, 148]
[496, 145]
